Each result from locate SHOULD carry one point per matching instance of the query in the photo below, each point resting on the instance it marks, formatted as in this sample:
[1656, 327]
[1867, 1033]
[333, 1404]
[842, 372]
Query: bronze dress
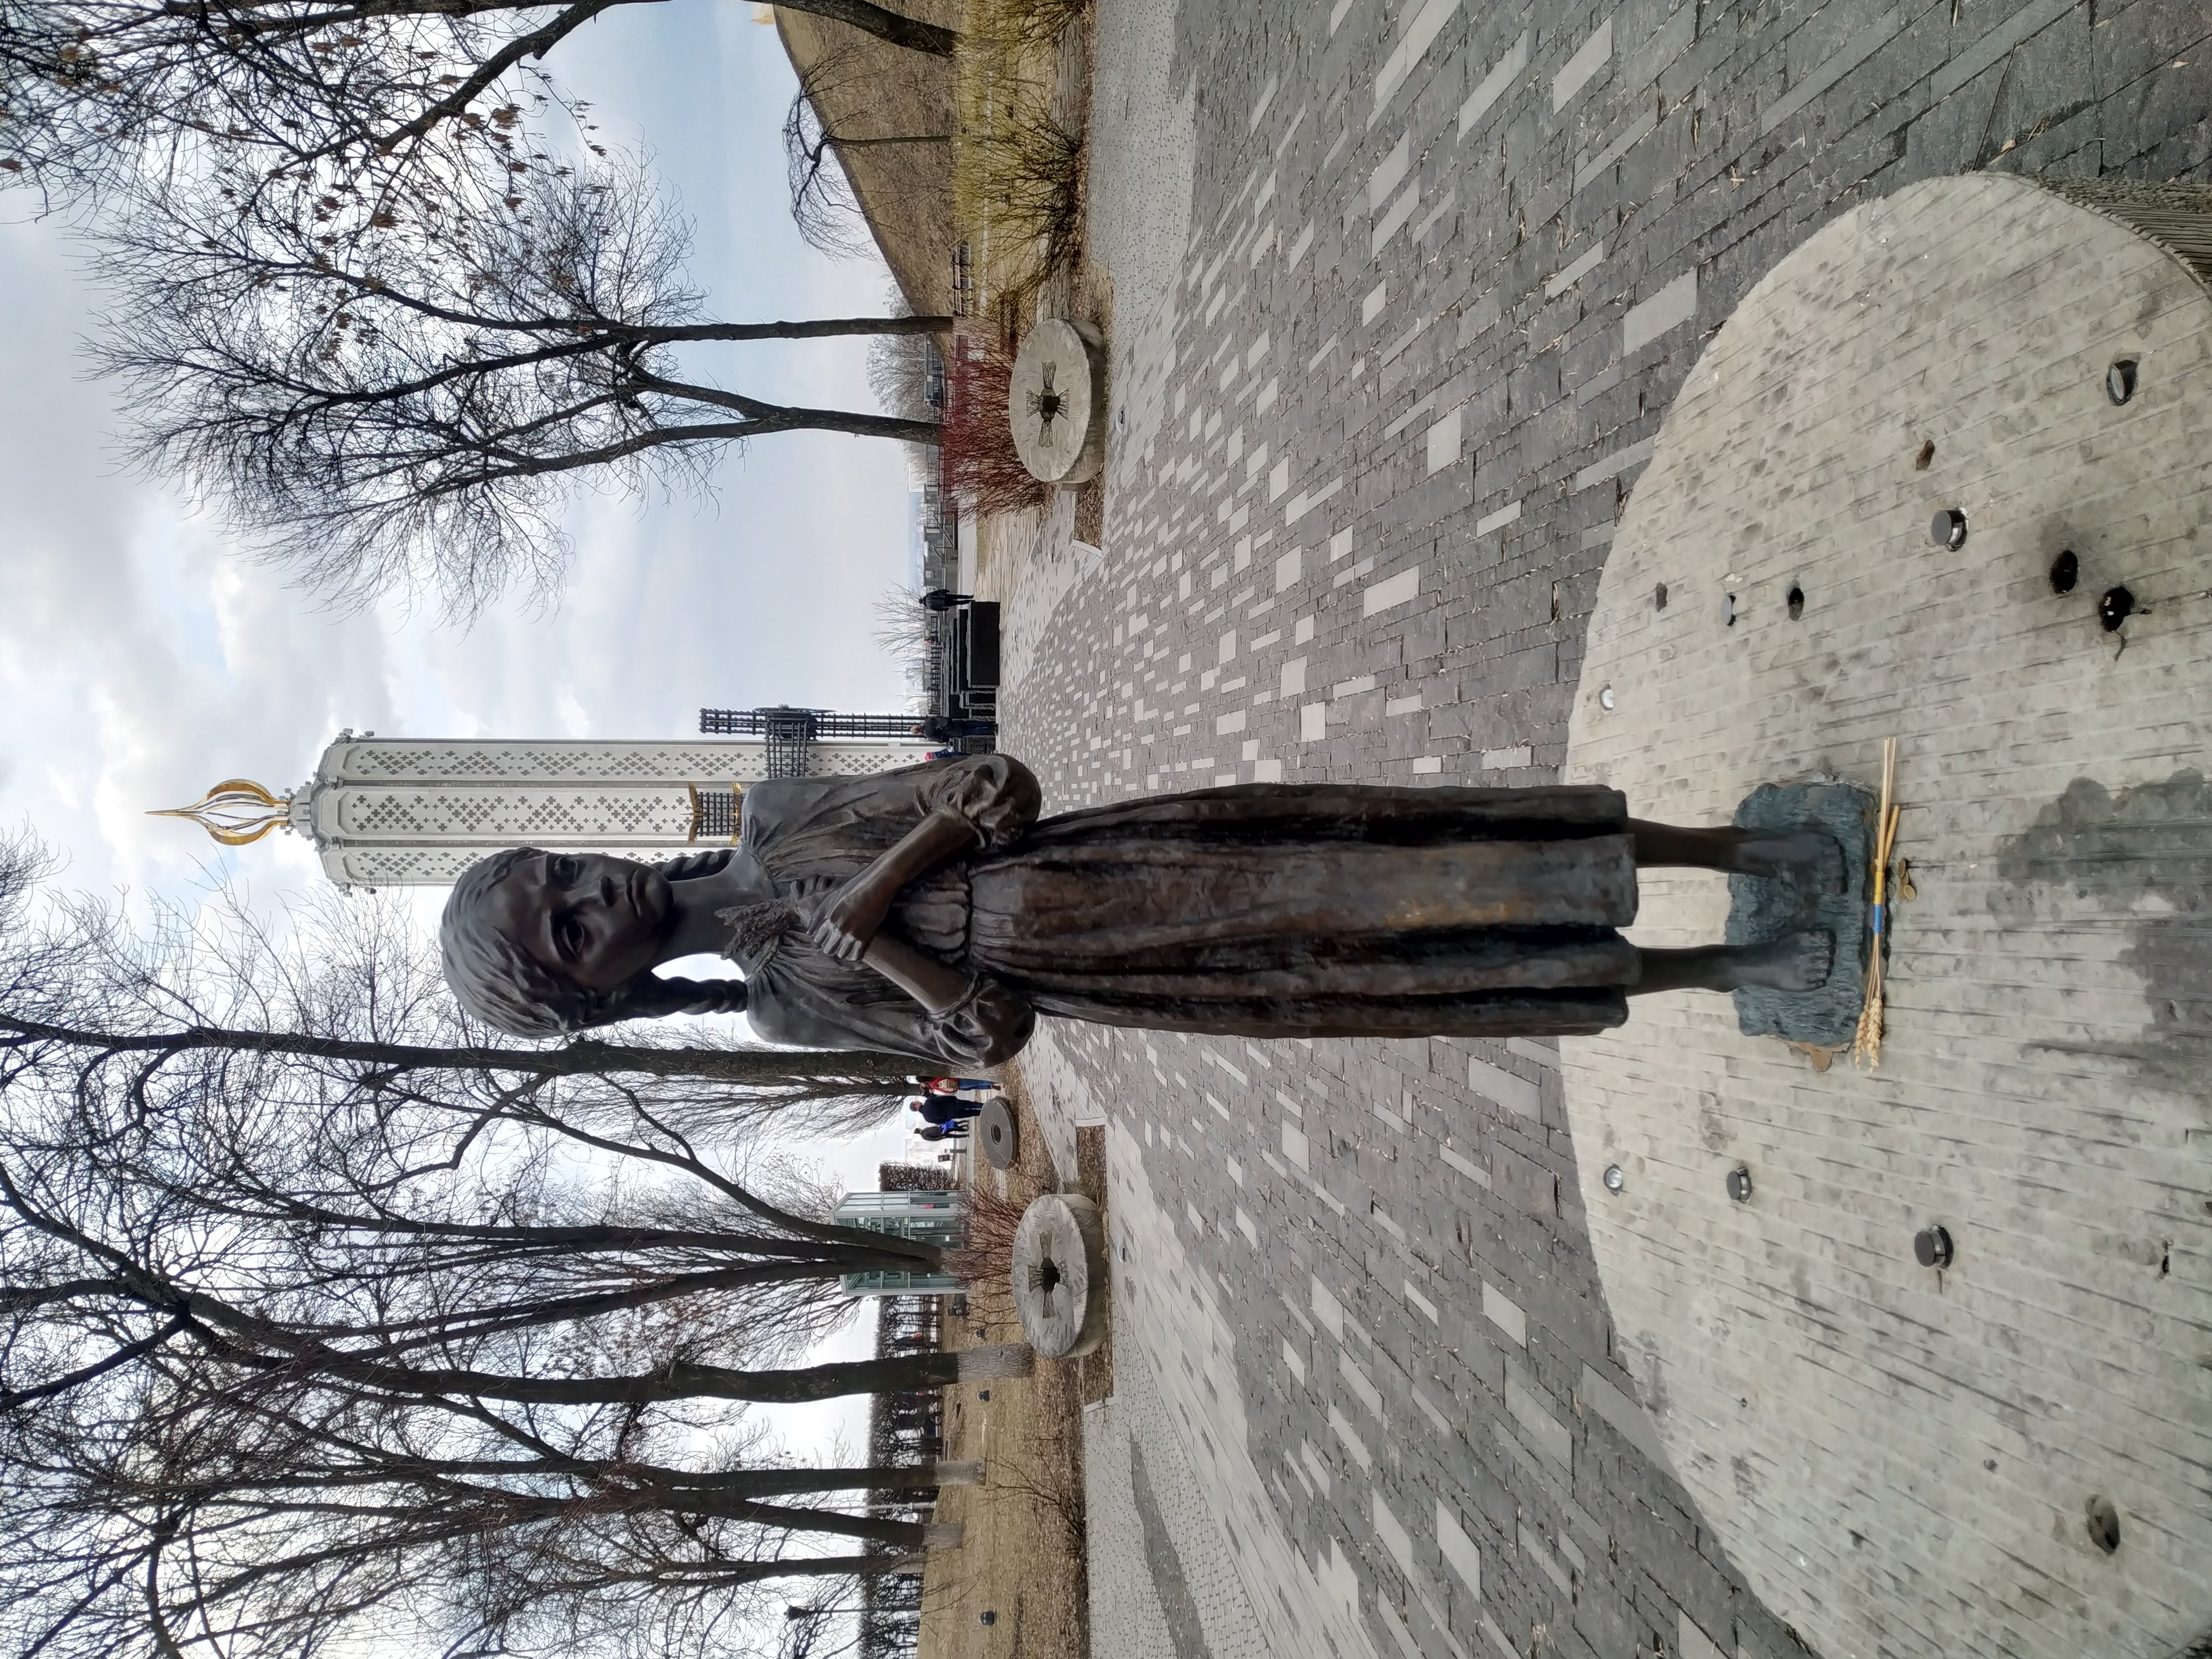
[1268, 910]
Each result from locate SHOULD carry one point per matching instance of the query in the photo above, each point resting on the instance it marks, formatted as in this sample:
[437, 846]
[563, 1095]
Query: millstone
[996, 1136]
[1060, 1275]
[1055, 402]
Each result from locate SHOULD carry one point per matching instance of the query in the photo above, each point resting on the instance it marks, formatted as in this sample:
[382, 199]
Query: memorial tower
[416, 811]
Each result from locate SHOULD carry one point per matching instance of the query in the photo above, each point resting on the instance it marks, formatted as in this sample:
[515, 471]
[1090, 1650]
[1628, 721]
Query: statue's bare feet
[1799, 962]
[1810, 858]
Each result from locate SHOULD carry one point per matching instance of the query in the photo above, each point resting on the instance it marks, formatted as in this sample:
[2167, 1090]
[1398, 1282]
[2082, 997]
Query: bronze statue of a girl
[931, 912]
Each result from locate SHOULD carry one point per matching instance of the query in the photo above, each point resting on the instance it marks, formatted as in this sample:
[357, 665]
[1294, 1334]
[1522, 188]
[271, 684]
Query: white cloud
[141, 659]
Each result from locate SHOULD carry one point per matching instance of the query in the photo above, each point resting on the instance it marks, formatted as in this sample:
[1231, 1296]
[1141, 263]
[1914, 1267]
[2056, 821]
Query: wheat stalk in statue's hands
[1866, 1041]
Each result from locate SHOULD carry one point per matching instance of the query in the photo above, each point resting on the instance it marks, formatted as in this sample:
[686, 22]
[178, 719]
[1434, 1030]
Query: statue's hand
[847, 922]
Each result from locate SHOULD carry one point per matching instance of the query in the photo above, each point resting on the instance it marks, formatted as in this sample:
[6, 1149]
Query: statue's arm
[937, 985]
[854, 916]
[984, 802]
[953, 1017]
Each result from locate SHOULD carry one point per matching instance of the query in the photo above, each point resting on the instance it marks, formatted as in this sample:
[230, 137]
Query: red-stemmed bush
[976, 445]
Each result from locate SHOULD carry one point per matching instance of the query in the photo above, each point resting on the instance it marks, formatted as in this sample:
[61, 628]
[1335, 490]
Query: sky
[142, 659]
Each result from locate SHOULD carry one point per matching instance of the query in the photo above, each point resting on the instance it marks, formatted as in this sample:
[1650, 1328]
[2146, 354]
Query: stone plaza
[1401, 296]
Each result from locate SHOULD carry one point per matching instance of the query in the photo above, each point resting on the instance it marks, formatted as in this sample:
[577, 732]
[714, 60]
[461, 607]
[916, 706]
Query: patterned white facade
[400, 812]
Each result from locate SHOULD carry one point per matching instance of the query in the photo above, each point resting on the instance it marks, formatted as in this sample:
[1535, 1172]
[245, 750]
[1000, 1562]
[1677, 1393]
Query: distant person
[963, 1086]
[942, 1108]
[946, 728]
[944, 599]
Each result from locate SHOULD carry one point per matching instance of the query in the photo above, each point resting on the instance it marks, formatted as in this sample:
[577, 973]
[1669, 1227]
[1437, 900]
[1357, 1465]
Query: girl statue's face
[595, 922]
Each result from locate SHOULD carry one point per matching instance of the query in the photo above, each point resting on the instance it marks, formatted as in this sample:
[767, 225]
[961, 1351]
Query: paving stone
[1246, 495]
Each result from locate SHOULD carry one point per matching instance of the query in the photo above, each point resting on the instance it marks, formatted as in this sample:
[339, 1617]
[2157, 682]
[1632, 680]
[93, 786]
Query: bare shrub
[985, 1263]
[981, 466]
[1027, 22]
[1018, 173]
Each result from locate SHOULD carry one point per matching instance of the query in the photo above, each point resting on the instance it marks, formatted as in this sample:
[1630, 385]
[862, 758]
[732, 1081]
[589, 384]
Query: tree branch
[535, 43]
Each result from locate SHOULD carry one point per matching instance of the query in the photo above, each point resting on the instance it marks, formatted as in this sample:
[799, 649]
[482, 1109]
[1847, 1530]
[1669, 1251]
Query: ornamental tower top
[413, 811]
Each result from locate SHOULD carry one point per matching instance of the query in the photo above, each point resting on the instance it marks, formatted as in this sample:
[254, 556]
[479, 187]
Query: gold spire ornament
[237, 811]
[715, 809]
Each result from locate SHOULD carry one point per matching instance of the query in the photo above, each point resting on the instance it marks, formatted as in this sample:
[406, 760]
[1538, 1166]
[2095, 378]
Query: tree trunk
[824, 1566]
[762, 418]
[579, 1058]
[850, 1249]
[816, 328]
[869, 1528]
[681, 1380]
[771, 1483]
[886, 25]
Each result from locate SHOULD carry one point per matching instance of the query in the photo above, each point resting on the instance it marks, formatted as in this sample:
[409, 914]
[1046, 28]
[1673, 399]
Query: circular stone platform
[1055, 402]
[1905, 1459]
[1060, 1275]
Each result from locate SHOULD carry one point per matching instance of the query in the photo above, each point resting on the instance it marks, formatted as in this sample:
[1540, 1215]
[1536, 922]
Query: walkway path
[1401, 295]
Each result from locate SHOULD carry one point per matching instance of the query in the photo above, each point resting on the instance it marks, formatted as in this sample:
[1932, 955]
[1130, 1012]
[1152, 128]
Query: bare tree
[299, 1086]
[432, 1217]
[408, 400]
[248, 1403]
[902, 633]
[816, 148]
[94, 94]
[145, 1522]
[902, 365]
[347, 1002]
[341, 1007]
[293, 1343]
[775, 1079]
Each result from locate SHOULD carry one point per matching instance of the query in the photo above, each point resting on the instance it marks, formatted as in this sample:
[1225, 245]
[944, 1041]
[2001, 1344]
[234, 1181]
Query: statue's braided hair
[506, 988]
[649, 996]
